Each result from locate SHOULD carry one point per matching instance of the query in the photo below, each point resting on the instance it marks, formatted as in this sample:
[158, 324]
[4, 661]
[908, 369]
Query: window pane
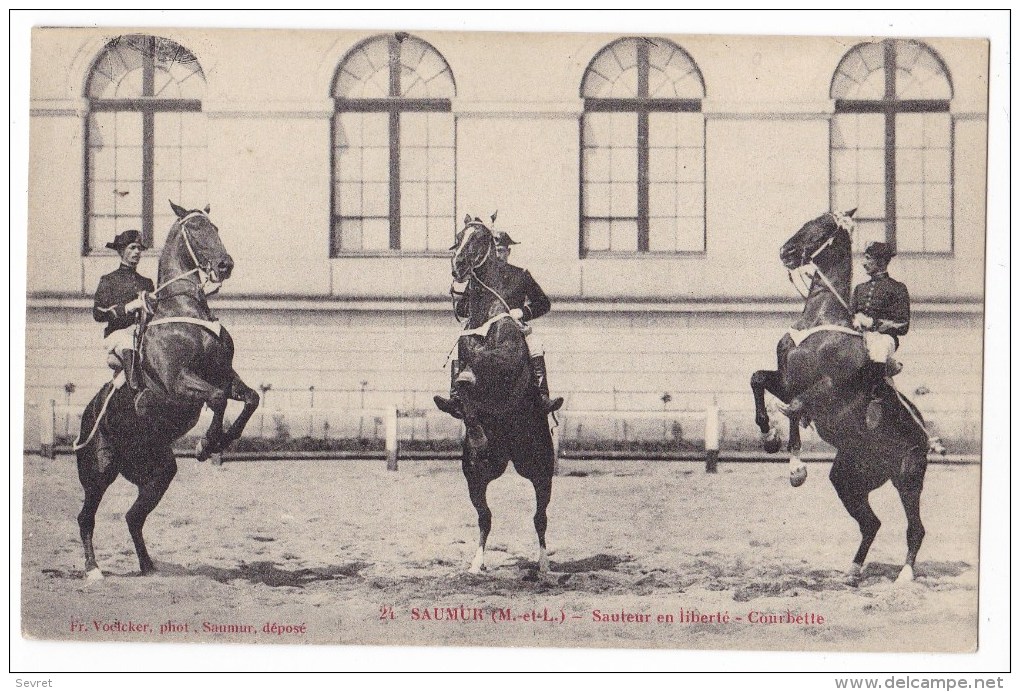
[909, 165]
[440, 200]
[414, 130]
[375, 199]
[596, 165]
[348, 200]
[413, 233]
[375, 234]
[375, 164]
[414, 164]
[691, 164]
[662, 130]
[937, 165]
[909, 235]
[662, 200]
[868, 231]
[350, 234]
[909, 200]
[167, 164]
[662, 235]
[870, 201]
[662, 165]
[596, 235]
[691, 200]
[938, 235]
[623, 236]
[596, 199]
[413, 199]
[623, 165]
[623, 199]
[938, 200]
[690, 235]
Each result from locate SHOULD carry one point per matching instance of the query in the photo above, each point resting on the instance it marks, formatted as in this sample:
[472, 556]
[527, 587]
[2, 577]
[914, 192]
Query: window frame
[393, 105]
[643, 106]
[148, 105]
[889, 106]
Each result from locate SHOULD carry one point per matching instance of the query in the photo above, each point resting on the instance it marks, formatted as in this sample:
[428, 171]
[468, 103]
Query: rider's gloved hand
[517, 314]
[457, 288]
[135, 305]
[862, 321]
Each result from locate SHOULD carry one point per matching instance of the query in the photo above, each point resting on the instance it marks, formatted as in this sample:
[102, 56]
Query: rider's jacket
[884, 298]
[115, 290]
[518, 289]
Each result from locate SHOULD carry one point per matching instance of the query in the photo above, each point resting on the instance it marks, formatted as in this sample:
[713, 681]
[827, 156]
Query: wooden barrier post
[47, 429]
[711, 438]
[391, 438]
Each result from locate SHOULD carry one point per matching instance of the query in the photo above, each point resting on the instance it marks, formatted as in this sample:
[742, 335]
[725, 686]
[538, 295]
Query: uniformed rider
[121, 295]
[881, 308]
[527, 302]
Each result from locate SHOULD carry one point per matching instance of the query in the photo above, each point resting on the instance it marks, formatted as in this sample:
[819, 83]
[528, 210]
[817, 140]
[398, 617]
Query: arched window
[891, 145]
[393, 148]
[642, 150]
[145, 139]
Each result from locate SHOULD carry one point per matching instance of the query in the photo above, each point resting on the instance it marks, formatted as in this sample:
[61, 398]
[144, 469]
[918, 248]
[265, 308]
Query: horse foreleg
[853, 493]
[239, 391]
[543, 494]
[476, 488]
[149, 495]
[190, 386]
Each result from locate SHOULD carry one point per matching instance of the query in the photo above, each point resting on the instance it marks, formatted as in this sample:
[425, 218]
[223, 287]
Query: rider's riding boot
[104, 452]
[131, 369]
[541, 380]
[451, 406]
[874, 377]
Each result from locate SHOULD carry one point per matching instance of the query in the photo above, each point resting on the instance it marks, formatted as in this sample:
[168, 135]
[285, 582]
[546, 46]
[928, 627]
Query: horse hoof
[217, 459]
[202, 450]
[543, 565]
[798, 476]
[94, 574]
[771, 442]
[906, 575]
[853, 576]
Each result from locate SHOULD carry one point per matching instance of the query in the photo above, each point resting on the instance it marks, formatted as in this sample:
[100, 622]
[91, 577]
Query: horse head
[823, 241]
[194, 243]
[473, 247]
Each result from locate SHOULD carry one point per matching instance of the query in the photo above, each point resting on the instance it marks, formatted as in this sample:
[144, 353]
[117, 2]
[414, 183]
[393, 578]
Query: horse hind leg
[477, 485]
[149, 494]
[95, 484]
[853, 493]
[909, 485]
[762, 381]
[543, 494]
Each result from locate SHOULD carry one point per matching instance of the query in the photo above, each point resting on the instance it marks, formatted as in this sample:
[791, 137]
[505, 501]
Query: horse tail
[78, 444]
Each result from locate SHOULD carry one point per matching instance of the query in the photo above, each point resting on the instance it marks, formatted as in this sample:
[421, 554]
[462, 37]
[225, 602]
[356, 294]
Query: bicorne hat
[503, 239]
[879, 251]
[126, 238]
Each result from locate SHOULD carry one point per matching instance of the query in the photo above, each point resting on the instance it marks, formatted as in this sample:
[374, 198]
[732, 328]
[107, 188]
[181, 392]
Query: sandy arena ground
[351, 553]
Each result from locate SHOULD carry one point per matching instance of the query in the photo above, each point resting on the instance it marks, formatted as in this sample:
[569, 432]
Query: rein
[810, 264]
[194, 258]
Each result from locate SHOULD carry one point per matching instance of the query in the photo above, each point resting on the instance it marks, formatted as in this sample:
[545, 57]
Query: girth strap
[799, 335]
[477, 331]
[213, 327]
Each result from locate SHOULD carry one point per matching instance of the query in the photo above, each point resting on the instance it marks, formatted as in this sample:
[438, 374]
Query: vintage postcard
[573, 340]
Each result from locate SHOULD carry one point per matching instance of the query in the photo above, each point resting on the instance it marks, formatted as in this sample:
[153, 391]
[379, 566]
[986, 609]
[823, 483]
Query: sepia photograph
[380, 330]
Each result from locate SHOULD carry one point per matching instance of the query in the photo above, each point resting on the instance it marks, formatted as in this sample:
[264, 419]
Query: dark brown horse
[818, 379]
[186, 363]
[502, 413]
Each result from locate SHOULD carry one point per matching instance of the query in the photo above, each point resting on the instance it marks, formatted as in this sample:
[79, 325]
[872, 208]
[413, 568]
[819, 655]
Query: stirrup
[552, 405]
[449, 406]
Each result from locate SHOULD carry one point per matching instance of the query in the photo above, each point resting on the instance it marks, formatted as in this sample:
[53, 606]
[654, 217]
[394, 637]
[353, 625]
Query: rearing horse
[186, 362]
[818, 378]
[502, 413]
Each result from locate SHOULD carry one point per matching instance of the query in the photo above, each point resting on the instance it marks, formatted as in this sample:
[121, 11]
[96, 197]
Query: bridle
[204, 270]
[808, 264]
[468, 231]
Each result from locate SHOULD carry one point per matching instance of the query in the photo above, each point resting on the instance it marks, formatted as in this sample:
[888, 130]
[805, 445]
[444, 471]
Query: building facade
[649, 179]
